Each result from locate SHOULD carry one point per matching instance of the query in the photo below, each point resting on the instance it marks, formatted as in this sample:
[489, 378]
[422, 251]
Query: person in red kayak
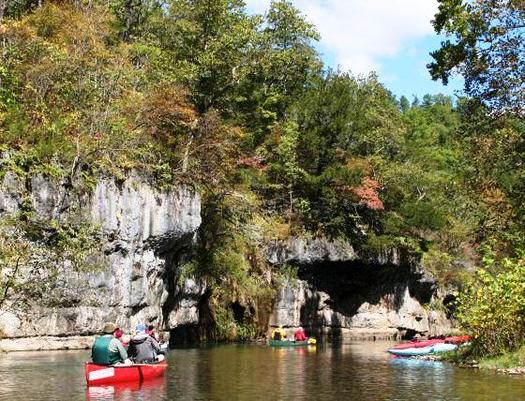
[299, 335]
[107, 349]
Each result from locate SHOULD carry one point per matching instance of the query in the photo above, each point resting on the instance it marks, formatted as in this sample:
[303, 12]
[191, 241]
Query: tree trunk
[186, 156]
[3, 6]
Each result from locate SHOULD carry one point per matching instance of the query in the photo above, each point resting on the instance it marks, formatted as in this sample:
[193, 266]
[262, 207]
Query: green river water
[355, 371]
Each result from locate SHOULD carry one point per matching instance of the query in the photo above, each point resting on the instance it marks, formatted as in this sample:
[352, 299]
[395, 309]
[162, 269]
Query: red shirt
[300, 336]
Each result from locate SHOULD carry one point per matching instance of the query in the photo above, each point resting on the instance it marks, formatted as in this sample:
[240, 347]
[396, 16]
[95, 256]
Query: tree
[491, 306]
[322, 155]
[208, 41]
[283, 61]
[249, 67]
[488, 49]
[341, 115]
[15, 8]
[132, 15]
[288, 55]
[404, 104]
[285, 171]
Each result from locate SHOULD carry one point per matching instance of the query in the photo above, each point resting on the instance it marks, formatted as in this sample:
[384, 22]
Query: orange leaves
[167, 112]
[493, 196]
[368, 194]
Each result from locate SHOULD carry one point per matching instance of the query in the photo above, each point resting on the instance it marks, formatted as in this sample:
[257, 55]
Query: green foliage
[319, 171]
[284, 61]
[506, 360]
[200, 92]
[227, 329]
[349, 163]
[247, 67]
[492, 306]
[210, 40]
[131, 15]
[16, 8]
[487, 50]
[342, 115]
[492, 173]
[36, 255]
[285, 274]
[443, 266]
[7, 93]
[229, 260]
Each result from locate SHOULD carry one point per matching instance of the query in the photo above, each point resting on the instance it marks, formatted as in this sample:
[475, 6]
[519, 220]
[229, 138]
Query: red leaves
[368, 194]
[255, 162]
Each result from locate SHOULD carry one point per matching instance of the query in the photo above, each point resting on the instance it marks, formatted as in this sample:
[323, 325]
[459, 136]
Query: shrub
[492, 306]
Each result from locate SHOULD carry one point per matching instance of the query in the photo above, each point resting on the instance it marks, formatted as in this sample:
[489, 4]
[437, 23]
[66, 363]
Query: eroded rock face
[143, 230]
[148, 234]
[310, 250]
[11, 193]
[342, 294]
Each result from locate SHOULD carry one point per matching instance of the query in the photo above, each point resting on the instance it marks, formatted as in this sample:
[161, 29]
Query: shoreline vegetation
[511, 363]
[241, 108]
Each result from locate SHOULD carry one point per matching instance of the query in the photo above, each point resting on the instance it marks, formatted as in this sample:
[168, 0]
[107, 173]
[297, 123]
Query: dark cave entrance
[350, 284]
[184, 335]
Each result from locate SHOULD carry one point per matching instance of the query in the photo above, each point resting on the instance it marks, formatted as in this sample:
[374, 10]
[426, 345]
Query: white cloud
[358, 34]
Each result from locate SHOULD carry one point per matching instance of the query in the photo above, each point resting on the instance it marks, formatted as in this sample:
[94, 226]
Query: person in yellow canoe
[279, 334]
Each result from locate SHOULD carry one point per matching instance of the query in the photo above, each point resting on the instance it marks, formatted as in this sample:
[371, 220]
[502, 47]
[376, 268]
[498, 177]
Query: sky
[391, 37]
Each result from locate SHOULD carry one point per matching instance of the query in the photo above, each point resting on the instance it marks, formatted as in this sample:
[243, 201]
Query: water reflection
[361, 371]
[149, 390]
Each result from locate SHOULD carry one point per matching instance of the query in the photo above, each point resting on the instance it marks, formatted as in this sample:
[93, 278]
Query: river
[355, 371]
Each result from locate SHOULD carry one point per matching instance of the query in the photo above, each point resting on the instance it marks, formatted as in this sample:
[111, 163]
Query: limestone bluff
[147, 233]
[142, 228]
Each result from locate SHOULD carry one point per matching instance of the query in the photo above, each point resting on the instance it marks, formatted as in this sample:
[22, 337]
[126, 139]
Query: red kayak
[103, 374]
[418, 344]
[457, 339]
[427, 343]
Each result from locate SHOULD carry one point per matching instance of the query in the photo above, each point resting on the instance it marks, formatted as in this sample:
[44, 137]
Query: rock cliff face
[341, 293]
[147, 234]
[144, 232]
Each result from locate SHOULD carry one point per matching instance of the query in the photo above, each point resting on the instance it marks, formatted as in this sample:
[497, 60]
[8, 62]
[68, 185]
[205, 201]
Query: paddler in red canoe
[107, 349]
[143, 348]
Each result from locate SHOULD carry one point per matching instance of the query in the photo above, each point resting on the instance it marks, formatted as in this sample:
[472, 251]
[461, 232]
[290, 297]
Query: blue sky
[391, 37]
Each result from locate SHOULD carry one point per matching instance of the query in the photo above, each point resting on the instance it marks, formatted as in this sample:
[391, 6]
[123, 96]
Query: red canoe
[103, 374]
[427, 343]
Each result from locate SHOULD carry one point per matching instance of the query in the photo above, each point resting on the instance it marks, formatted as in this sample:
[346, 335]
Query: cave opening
[238, 312]
[351, 284]
[184, 335]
